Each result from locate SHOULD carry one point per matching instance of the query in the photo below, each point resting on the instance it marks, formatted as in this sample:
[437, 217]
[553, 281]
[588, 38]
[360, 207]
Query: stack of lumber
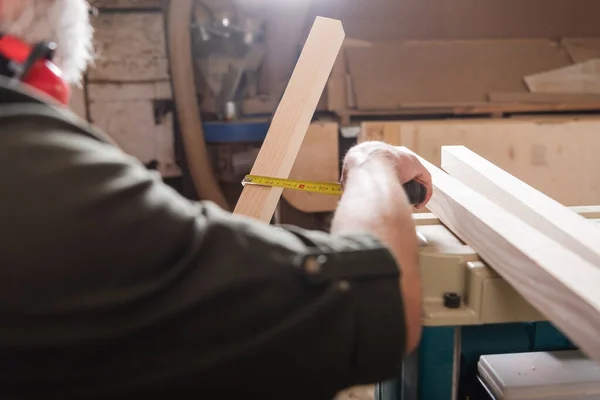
[548, 253]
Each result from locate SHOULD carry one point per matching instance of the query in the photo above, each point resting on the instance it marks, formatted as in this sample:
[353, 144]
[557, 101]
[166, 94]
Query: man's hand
[405, 164]
[374, 201]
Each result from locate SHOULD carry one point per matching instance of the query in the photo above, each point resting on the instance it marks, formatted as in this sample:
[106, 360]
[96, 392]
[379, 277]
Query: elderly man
[112, 285]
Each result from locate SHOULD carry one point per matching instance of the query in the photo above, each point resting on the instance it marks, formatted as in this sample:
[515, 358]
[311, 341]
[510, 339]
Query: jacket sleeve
[187, 285]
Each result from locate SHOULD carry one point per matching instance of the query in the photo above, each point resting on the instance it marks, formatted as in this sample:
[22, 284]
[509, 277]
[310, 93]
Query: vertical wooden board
[537, 152]
[317, 161]
[126, 113]
[292, 118]
[130, 46]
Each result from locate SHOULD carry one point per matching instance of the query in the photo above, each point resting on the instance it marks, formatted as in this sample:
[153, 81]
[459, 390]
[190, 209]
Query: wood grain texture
[292, 117]
[130, 47]
[557, 282]
[535, 150]
[571, 230]
[582, 77]
[318, 161]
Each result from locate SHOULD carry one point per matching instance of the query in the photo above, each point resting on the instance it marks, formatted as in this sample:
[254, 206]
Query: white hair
[64, 22]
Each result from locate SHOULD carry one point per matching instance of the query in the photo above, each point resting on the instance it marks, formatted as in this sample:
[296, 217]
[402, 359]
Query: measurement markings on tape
[330, 188]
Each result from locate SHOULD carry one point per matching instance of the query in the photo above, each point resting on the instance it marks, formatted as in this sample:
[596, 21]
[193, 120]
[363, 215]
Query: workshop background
[516, 81]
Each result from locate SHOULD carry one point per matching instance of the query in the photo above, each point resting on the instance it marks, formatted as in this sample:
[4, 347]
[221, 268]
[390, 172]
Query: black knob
[451, 300]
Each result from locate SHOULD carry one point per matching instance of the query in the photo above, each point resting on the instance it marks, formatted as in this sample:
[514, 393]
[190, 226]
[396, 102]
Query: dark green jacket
[112, 285]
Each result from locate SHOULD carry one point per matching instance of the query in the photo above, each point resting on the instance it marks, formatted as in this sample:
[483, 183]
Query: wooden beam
[571, 230]
[292, 117]
[556, 281]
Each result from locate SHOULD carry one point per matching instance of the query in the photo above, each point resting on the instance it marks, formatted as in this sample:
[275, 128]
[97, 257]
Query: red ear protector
[33, 66]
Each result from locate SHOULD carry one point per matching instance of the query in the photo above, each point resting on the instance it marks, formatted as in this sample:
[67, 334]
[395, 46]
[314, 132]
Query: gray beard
[64, 22]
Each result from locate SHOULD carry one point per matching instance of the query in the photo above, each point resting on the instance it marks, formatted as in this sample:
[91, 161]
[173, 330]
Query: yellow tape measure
[331, 188]
[414, 189]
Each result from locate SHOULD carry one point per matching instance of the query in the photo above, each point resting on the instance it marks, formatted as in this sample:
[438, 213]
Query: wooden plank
[318, 160]
[543, 213]
[535, 150]
[293, 116]
[556, 281]
[392, 75]
[578, 78]
[130, 47]
[590, 212]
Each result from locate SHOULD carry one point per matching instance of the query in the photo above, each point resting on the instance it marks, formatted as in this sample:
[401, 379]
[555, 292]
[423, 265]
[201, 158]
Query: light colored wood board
[578, 78]
[364, 392]
[391, 75]
[78, 103]
[292, 117]
[179, 18]
[122, 4]
[544, 98]
[130, 122]
[553, 155]
[130, 47]
[423, 219]
[543, 213]
[318, 161]
[582, 49]
[557, 282]
[591, 213]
